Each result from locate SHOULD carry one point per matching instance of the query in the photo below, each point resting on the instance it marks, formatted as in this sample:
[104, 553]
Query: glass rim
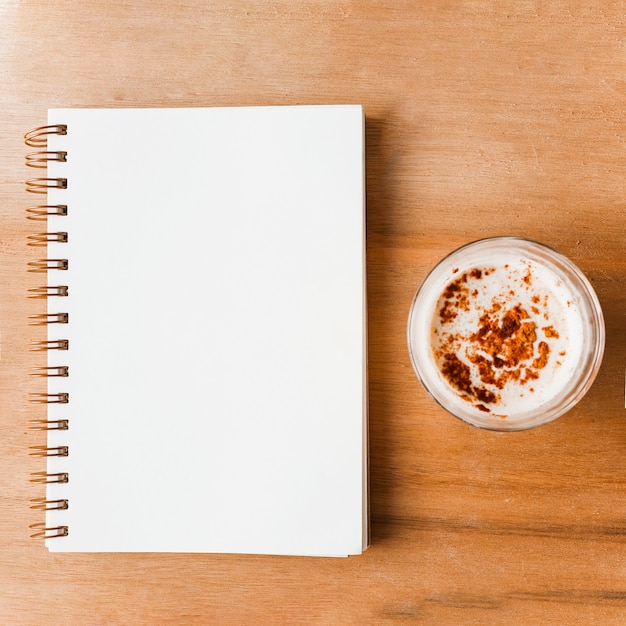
[588, 365]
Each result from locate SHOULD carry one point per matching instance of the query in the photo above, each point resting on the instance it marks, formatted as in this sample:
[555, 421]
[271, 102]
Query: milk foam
[505, 307]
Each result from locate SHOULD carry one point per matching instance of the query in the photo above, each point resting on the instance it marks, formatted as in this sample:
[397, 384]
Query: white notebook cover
[217, 329]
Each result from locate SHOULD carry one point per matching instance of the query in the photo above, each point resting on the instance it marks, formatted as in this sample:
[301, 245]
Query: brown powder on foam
[502, 348]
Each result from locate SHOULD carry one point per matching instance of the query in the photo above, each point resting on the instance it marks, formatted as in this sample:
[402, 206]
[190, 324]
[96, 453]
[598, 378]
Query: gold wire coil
[48, 532]
[42, 239]
[43, 265]
[41, 185]
[54, 344]
[41, 319]
[49, 479]
[50, 398]
[41, 159]
[42, 504]
[49, 424]
[62, 371]
[38, 137]
[41, 211]
[48, 291]
[49, 451]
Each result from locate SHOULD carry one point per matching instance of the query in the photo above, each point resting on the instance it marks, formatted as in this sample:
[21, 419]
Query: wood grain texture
[483, 118]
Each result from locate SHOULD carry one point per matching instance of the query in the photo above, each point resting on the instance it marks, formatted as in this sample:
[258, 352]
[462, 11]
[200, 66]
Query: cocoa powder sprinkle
[503, 348]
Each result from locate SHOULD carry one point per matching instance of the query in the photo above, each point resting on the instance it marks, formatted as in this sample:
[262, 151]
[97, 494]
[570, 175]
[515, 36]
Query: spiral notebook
[204, 271]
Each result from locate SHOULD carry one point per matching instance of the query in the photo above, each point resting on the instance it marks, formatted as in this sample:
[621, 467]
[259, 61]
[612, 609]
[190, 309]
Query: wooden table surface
[483, 118]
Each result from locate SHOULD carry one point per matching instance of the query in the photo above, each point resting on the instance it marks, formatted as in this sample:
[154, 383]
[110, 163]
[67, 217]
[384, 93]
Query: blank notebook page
[217, 388]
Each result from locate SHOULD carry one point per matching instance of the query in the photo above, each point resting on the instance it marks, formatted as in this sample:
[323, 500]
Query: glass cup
[506, 333]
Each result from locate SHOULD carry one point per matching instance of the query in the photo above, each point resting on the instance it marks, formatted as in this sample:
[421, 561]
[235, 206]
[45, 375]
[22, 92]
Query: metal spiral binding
[43, 265]
[61, 371]
[50, 398]
[41, 159]
[48, 291]
[49, 424]
[41, 211]
[54, 344]
[49, 505]
[38, 138]
[49, 318]
[41, 185]
[49, 451]
[43, 239]
[48, 479]
[48, 532]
